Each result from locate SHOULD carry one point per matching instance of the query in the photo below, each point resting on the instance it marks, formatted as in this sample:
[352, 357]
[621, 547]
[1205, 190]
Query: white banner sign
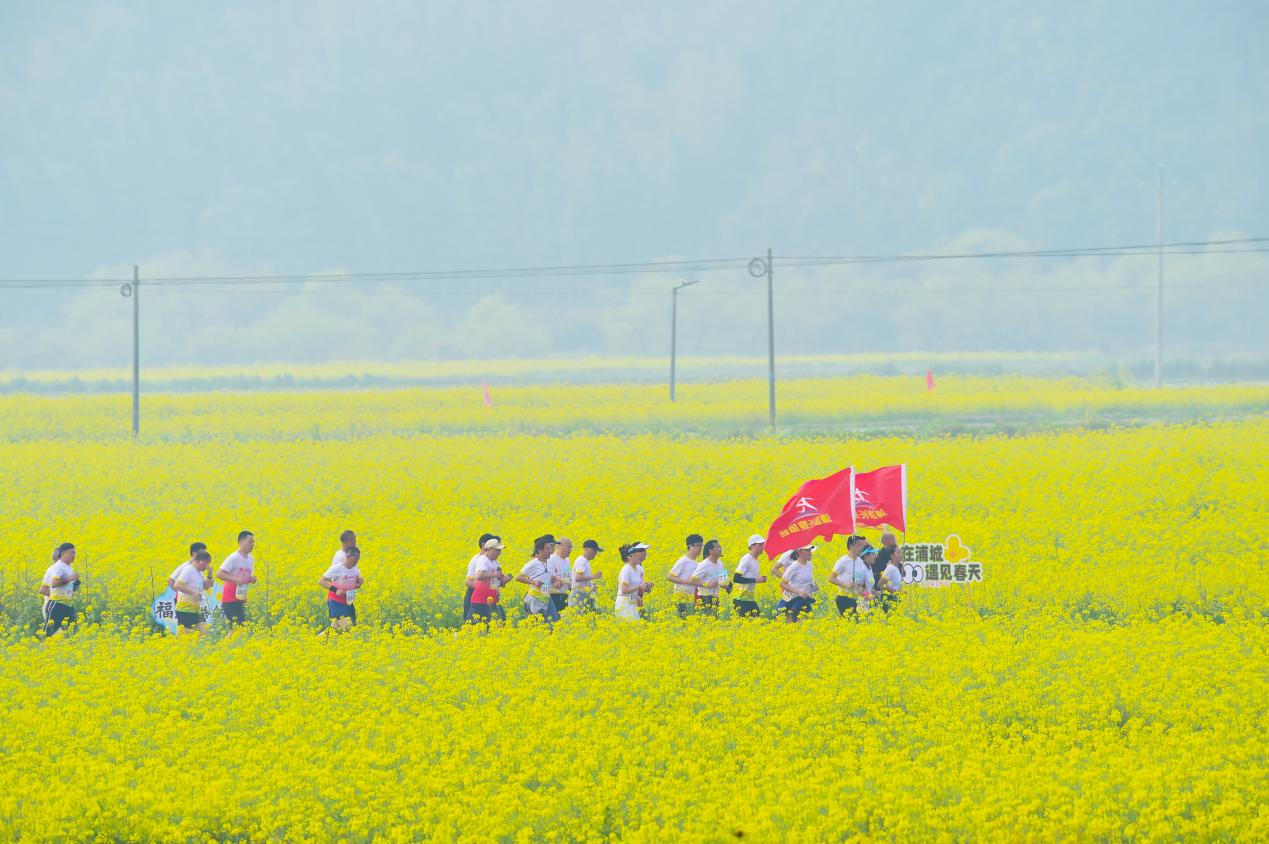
[940, 564]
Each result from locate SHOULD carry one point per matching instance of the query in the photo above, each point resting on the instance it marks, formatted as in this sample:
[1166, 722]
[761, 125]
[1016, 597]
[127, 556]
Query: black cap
[590, 543]
[694, 539]
[546, 539]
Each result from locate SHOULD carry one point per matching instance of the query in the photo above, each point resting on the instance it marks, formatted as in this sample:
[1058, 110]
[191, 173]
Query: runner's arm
[789, 587]
[185, 590]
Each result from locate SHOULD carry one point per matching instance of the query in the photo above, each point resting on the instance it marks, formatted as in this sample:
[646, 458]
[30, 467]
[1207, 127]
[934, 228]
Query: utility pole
[758, 268]
[132, 291]
[1158, 286]
[674, 328]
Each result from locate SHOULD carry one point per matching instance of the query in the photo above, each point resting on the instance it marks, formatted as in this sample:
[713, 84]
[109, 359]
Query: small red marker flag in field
[821, 508]
[488, 400]
[929, 379]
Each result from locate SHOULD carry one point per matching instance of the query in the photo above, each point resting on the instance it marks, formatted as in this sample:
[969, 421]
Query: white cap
[493, 543]
[755, 539]
[805, 548]
[638, 546]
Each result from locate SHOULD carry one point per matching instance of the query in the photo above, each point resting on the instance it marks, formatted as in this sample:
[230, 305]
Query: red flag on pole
[821, 508]
[881, 497]
[488, 400]
[929, 379]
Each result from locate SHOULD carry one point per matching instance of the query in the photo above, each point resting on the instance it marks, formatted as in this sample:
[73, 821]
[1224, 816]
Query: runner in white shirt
[891, 577]
[748, 575]
[865, 579]
[797, 584]
[62, 581]
[238, 573]
[681, 575]
[582, 595]
[843, 575]
[341, 582]
[631, 587]
[194, 548]
[191, 581]
[558, 564]
[542, 582]
[486, 596]
[712, 576]
[471, 571]
[347, 539]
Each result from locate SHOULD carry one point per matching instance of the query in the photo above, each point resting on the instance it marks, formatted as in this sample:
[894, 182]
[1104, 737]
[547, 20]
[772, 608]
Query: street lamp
[674, 327]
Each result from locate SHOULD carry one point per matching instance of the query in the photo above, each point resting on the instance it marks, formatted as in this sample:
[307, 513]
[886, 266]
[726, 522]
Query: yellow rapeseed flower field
[1106, 680]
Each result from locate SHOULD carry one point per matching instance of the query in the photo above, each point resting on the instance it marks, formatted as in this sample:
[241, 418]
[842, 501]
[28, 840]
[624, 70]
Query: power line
[853, 290]
[654, 267]
[1195, 247]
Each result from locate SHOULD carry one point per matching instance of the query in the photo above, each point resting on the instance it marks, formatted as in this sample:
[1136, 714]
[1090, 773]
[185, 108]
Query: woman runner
[631, 586]
[342, 580]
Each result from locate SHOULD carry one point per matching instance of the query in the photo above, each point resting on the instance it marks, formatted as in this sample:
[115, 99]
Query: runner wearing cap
[891, 582]
[711, 575]
[558, 564]
[846, 575]
[191, 580]
[194, 548]
[631, 586]
[489, 579]
[797, 584]
[537, 575]
[865, 579]
[342, 580]
[62, 581]
[237, 574]
[471, 572]
[582, 595]
[748, 574]
[685, 585]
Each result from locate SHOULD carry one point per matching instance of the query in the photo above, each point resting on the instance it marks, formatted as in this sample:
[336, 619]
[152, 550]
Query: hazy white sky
[298, 137]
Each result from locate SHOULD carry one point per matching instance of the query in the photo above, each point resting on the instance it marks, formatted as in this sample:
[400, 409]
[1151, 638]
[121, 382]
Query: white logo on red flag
[881, 497]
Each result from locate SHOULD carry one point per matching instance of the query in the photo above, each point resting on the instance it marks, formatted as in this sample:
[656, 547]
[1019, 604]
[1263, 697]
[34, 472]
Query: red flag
[821, 508]
[929, 379]
[488, 400]
[881, 497]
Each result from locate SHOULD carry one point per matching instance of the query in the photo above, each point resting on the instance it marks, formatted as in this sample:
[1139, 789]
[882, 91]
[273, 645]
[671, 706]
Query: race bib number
[350, 595]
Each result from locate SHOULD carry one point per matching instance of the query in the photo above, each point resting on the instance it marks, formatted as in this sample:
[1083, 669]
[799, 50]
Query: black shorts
[486, 613]
[467, 601]
[746, 609]
[188, 619]
[797, 606]
[845, 605]
[59, 615]
[235, 612]
[559, 601]
[338, 610]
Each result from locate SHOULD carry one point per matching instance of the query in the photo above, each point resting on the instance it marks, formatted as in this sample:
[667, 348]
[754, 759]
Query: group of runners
[193, 579]
[557, 581]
